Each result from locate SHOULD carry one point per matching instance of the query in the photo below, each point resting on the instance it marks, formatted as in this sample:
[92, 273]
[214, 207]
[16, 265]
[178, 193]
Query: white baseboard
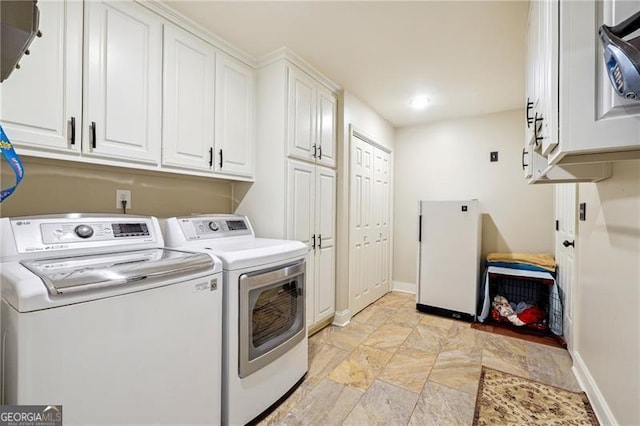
[405, 287]
[342, 318]
[589, 385]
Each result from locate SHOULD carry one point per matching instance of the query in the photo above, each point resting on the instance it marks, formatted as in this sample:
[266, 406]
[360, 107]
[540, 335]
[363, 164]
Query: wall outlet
[123, 195]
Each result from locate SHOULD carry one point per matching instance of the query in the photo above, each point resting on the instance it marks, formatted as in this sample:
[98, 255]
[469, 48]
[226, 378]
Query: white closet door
[301, 219]
[381, 208]
[566, 197]
[325, 265]
[39, 100]
[188, 113]
[360, 224]
[123, 76]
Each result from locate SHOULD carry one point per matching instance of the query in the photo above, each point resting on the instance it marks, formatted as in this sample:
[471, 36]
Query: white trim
[589, 385]
[177, 18]
[284, 53]
[355, 132]
[342, 318]
[405, 287]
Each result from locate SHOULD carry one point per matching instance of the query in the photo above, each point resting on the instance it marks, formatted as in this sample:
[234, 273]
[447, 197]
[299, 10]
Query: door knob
[568, 243]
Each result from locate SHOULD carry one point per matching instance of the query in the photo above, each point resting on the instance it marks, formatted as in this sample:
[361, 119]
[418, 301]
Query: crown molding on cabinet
[159, 7]
[287, 54]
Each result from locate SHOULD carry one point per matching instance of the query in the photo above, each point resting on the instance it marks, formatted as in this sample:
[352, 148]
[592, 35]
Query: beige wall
[608, 309]
[51, 186]
[352, 111]
[449, 160]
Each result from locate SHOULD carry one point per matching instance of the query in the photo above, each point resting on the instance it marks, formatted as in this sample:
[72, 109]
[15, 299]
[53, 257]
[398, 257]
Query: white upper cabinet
[123, 81]
[541, 131]
[326, 127]
[188, 102]
[302, 115]
[234, 118]
[41, 103]
[595, 124]
[311, 119]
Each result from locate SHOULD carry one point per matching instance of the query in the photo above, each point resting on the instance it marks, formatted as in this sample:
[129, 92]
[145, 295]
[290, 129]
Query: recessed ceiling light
[419, 102]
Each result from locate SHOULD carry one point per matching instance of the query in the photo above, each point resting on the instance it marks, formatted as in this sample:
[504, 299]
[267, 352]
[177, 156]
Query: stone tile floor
[393, 365]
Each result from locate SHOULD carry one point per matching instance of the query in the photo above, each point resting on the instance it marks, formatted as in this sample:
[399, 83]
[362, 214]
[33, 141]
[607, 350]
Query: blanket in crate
[555, 305]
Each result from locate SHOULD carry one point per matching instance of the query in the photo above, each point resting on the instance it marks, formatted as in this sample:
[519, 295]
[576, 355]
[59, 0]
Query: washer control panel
[38, 234]
[197, 228]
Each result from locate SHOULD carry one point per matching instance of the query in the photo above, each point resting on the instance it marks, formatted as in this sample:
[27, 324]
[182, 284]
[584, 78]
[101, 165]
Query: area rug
[507, 399]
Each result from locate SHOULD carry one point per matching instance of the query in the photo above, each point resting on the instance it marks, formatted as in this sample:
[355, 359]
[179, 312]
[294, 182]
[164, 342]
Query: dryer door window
[271, 315]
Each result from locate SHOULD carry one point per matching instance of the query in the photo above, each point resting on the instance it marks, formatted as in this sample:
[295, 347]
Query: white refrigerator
[449, 258]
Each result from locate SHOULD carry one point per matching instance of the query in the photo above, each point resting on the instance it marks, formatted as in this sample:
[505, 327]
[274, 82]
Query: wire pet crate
[533, 291]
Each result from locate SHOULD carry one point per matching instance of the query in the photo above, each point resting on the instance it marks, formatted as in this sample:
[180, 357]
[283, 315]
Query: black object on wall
[622, 57]
[19, 21]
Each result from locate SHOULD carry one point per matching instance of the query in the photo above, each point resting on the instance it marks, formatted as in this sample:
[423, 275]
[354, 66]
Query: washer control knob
[213, 226]
[83, 231]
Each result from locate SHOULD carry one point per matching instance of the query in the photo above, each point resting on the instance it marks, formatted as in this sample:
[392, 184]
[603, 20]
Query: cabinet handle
[529, 108]
[210, 157]
[313, 244]
[73, 131]
[319, 241]
[537, 127]
[567, 243]
[315, 150]
[220, 158]
[320, 152]
[93, 135]
[524, 152]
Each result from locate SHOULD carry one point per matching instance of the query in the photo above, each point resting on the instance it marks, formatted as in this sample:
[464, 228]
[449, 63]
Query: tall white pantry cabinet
[294, 193]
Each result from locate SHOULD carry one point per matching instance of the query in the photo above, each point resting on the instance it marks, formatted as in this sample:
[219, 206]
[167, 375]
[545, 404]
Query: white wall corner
[589, 385]
[341, 319]
[404, 286]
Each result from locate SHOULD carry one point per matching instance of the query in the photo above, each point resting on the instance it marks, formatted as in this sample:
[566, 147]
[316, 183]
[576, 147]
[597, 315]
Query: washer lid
[65, 275]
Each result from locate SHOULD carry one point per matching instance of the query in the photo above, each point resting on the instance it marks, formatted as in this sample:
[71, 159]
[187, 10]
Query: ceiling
[468, 57]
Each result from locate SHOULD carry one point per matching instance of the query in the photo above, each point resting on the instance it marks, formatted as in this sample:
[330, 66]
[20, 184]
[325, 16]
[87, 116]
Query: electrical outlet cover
[123, 194]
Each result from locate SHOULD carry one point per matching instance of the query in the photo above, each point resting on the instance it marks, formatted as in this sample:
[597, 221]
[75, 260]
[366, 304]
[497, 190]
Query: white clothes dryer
[97, 316]
[264, 327]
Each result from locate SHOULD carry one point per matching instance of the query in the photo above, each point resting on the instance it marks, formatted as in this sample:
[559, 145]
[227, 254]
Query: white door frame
[356, 133]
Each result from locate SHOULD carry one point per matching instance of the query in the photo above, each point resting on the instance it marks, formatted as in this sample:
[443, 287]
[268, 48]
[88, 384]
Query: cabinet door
[531, 73]
[325, 264]
[301, 219]
[592, 117]
[548, 58]
[188, 104]
[39, 100]
[302, 116]
[326, 122]
[235, 104]
[123, 81]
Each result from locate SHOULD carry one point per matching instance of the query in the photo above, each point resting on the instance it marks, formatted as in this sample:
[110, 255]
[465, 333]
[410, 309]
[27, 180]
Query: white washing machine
[98, 317]
[264, 327]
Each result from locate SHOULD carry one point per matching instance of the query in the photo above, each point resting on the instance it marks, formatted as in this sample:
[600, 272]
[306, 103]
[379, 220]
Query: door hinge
[557, 225]
[420, 228]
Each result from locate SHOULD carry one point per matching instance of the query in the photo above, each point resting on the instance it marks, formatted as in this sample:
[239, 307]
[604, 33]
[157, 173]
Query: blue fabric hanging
[14, 161]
